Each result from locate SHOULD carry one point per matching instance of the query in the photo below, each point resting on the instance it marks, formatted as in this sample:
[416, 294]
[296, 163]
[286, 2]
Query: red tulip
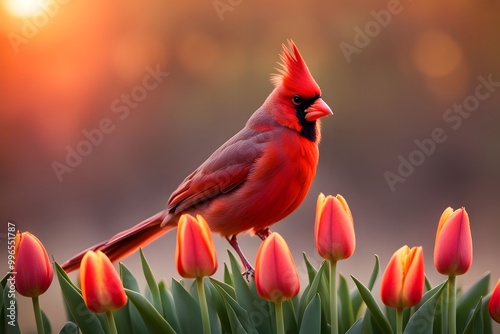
[276, 276]
[102, 289]
[195, 252]
[334, 228]
[402, 283]
[453, 247]
[494, 304]
[32, 267]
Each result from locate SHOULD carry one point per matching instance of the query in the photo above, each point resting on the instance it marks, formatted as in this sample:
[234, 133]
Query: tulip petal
[494, 304]
[32, 267]
[453, 247]
[276, 276]
[102, 289]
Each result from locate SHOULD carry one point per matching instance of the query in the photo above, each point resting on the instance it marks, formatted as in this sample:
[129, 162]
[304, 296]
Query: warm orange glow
[437, 54]
[24, 7]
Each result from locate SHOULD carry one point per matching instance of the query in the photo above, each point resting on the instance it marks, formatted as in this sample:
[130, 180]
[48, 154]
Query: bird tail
[126, 242]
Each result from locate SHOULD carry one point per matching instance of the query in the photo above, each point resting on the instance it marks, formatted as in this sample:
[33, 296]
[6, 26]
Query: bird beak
[317, 110]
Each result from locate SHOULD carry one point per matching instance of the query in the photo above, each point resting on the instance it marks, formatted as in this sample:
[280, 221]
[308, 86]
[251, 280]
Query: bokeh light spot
[24, 7]
[436, 54]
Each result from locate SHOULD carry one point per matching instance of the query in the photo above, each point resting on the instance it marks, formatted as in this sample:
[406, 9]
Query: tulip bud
[276, 277]
[32, 267]
[453, 246]
[334, 228]
[402, 283]
[494, 304]
[102, 289]
[195, 252]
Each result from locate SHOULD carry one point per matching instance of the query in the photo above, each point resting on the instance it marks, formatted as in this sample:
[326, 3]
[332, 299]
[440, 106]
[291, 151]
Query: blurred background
[391, 71]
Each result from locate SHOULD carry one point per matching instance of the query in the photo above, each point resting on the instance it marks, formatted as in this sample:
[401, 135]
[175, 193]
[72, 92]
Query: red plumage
[256, 178]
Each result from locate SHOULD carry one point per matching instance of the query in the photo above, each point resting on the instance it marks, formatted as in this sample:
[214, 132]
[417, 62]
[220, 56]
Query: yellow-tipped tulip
[402, 283]
[276, 277]
[494, 304]
[453, 247]
[195, 252]
[32, 267]
[102, 289]
[334, 228]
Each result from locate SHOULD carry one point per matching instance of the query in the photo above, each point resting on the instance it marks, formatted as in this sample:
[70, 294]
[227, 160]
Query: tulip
[32, 267]
[453, 253]
[33, 271]
[335, 240]
[102, 289]
[334, 228]
[453, 247]
[195, 257]
[402, 283]
[195, 252]
[494, 304]
[276, 277]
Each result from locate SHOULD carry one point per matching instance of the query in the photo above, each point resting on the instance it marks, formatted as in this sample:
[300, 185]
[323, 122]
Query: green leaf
[150, 279]
[236, 325]
[69, 328]
[487, 328]
[248, 299]
[232, 306]
[87, 321]
[9, 311]
[422, 321]
[469, 299]
[228, 278]
[346, 314]
[219, 305]
[357, 327]
[46, 323]
[168, 307]
[311, 321]
[152, 318]
[311, 271]
[318, 286]
[475, 323]
[129, 313]
[372, 305]
[355, 296]
[289, 317]
[188, 310]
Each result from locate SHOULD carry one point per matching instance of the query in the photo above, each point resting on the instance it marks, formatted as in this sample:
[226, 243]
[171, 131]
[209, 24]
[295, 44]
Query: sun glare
[24, 7]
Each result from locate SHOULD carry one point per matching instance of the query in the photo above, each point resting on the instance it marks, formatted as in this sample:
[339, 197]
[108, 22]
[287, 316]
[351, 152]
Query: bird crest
[294, 75]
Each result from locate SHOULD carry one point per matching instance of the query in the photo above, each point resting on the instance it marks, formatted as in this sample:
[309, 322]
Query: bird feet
[250, 272]
[263, 234]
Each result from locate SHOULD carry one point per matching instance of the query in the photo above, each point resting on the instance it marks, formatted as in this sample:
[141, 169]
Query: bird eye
[297, 100]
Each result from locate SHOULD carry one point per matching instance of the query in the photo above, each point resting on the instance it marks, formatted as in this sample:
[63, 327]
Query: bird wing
[225, 170]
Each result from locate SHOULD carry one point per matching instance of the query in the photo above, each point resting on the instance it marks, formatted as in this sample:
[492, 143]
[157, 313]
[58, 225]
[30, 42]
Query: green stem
[399, 321]
[111, 323]
[452, 311]
[203, 305]
[280, 324]
[38, 315]
[334, 322]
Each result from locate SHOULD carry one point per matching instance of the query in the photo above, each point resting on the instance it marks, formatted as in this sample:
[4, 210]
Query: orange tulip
[102, 289]
[494, 304]
[453, 246]
[402, 283]
[276, 277]
[32, 266]
[195, 252]
[334, 228]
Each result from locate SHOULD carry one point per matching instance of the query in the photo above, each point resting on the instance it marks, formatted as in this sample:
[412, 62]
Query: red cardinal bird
[255, 179]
